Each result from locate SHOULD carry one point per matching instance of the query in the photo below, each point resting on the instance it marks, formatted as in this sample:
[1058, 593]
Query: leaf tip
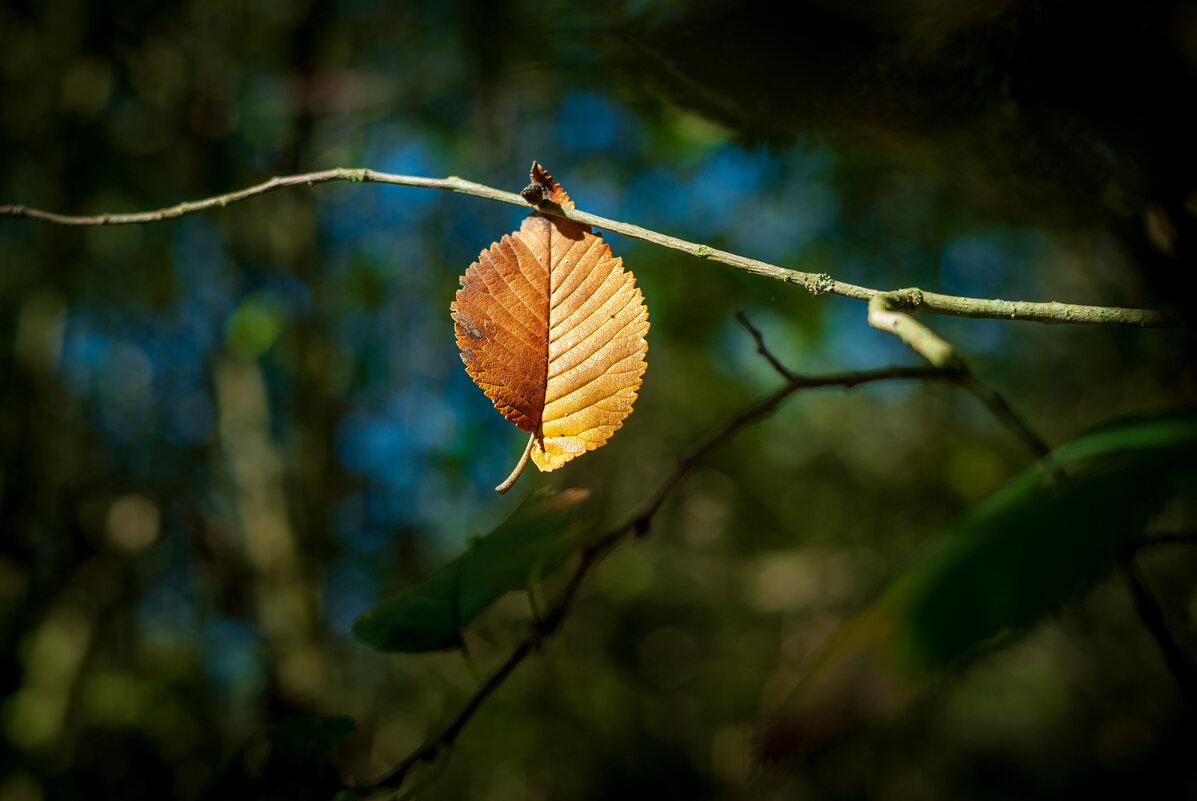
[552, 190]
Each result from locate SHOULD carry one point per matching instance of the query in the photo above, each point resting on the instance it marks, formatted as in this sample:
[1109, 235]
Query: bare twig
[781, 369]
[888, 312]
[1182, 668]
[638, 525]
[999, 408]
[815, 283]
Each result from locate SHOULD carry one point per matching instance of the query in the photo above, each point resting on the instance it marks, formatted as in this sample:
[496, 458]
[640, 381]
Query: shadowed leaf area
[288, 760]
[523, 549]
[1039, 541]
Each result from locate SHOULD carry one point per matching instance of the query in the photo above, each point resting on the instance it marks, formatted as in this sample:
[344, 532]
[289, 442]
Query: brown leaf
[552, 329]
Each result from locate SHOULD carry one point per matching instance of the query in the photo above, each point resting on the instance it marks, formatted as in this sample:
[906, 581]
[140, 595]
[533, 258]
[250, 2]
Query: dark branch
[761, 349]
[639, 524]
[1183, 670]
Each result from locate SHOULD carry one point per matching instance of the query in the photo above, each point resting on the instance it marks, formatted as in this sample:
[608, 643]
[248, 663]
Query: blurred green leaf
[1163, 432]
[527, 546]
[254, 326]
[1036, 543]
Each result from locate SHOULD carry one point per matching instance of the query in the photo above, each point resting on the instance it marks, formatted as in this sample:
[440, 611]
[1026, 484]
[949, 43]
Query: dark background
[224, 437]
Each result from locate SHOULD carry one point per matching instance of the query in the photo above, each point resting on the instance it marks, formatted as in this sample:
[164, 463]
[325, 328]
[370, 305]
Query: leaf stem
[470, 664]
[509, 482]
[815, 283]
[534, 603]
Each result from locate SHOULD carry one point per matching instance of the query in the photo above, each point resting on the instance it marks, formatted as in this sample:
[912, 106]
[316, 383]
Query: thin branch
[952, 369]
[886, 312]
[999, 408]
[781, 369]
[889, 312]
[1182, 668]
[815, 283]
[638, 525]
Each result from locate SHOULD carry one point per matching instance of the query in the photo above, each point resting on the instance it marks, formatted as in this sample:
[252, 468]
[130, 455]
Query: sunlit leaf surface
[552, 328]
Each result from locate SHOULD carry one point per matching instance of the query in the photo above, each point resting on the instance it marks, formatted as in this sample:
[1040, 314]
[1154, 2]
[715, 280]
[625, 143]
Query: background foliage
[226, 436]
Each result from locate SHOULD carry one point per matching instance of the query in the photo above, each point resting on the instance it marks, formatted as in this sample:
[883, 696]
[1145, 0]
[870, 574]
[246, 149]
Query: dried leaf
[551, 327]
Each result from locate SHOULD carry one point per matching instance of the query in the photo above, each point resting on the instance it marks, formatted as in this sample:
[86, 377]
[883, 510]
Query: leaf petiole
[509, 482]
[533, 593]
[469, 661]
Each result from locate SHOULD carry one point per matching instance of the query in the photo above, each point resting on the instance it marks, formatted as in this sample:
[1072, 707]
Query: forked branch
[885, 313]
[889, 312]
[638, 525]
